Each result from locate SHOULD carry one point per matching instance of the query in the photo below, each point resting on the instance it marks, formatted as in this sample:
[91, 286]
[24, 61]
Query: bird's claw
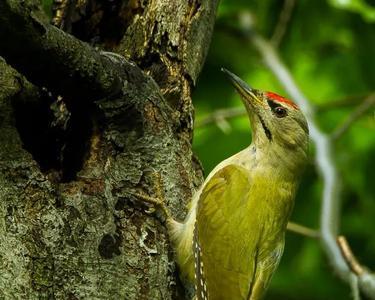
[157, 203]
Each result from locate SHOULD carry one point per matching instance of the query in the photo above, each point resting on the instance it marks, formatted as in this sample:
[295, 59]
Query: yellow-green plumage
[240, 233]
[233, 236]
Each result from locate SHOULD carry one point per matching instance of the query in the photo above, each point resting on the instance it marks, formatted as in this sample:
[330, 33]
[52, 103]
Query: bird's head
[279, 127]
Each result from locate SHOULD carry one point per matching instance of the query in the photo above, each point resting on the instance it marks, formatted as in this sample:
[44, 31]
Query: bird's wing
[226, 267]
[268, 260]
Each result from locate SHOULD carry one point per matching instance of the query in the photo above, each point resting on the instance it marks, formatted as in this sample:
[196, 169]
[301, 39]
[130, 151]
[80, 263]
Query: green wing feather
[229, 235]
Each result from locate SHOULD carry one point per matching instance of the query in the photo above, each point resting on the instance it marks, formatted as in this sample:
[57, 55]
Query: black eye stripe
[277, 109]
[273, 104]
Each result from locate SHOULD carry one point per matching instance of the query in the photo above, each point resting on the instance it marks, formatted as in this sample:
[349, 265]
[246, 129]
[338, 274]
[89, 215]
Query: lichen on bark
[83, 236]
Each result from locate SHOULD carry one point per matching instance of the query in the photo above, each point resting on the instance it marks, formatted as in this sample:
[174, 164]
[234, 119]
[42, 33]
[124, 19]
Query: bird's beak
[255, 107]
[248, 94]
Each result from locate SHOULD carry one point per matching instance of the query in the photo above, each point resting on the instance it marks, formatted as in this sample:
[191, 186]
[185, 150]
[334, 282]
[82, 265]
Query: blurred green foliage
[359, 6]
[47, 6]
[329, 46]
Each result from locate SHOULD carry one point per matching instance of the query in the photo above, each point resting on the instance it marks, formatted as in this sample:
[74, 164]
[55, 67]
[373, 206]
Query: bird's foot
[157, 203]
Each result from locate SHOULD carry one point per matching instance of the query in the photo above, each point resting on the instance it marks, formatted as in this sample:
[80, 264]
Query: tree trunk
[70, 227]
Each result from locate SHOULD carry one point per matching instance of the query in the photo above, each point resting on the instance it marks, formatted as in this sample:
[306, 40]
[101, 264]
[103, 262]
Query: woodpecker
[232, 239]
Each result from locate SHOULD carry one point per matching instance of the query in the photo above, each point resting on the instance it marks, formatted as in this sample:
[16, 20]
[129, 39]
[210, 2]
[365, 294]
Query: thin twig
[353, 264]
[367, 104]
[282, 24]
[323, 156]
[303, 230]
[220, 114]
[347, 253]
[354, 285]
[347, 101]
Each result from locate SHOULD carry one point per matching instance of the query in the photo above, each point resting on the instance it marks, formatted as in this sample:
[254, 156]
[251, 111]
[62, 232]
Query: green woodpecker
[233, 236]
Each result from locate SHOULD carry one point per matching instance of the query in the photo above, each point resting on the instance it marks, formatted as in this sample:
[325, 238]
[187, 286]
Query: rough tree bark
[69, 228]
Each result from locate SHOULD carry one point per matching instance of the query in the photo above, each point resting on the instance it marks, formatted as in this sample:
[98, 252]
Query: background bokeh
[329, 47]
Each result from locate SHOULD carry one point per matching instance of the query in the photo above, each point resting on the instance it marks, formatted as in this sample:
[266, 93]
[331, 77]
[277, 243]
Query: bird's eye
[280, 112]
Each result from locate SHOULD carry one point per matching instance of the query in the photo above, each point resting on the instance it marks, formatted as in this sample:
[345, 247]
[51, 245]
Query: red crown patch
[280, 99]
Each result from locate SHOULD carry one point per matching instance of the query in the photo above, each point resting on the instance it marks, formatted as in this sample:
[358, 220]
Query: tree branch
[347, 253]
[283, 21]
[361, 276]
[367, 104]
[220, 115]
[49, 57]
[347, 101]
[84, 235]
[303, 230]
